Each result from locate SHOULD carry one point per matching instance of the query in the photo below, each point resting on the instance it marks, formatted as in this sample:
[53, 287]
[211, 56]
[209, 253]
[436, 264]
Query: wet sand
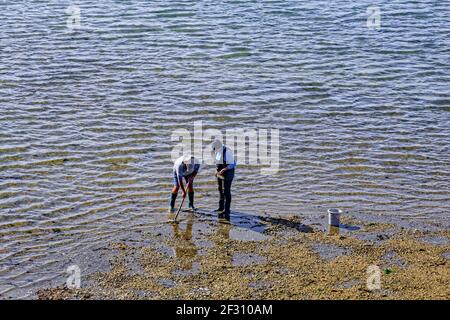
[255, 257]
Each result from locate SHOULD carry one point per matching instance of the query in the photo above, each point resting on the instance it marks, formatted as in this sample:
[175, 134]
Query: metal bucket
[334, 216]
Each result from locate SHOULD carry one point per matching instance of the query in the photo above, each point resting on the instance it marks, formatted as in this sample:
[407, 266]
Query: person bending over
[185, 167]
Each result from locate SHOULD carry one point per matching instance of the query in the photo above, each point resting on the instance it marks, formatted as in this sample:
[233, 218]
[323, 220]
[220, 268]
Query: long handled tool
[181, 205]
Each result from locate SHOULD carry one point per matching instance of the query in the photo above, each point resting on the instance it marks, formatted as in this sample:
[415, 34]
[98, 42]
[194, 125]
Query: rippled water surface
[87, 115]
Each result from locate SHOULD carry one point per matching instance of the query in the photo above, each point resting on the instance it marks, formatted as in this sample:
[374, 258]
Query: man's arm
[180, 173]
[231, 164]
[194, 173]
[183, 189]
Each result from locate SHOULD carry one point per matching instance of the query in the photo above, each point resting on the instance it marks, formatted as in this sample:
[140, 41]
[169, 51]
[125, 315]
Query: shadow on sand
[254, 222]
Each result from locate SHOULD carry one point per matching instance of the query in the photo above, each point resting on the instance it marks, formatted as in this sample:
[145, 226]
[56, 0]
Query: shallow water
[87, 115]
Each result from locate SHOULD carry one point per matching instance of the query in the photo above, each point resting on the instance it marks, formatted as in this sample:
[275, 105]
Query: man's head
[190, 162]
[216, 145]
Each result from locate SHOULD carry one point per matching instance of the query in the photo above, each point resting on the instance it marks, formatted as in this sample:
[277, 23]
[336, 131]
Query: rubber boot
[172, 202]
[221, 207]
[227, 205]
[191, 200]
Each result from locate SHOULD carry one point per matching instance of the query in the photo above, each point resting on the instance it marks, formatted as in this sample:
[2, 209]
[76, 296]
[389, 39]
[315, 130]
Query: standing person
[225, 165]
[185, 167]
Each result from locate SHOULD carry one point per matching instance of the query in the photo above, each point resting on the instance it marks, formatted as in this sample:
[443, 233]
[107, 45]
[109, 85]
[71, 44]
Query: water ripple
[87, 114]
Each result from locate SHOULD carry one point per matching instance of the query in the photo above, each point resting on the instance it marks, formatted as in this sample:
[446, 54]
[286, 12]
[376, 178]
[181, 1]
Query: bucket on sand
[333, 217]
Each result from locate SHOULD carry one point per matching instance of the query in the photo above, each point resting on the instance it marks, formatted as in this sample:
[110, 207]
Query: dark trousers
[225, 194]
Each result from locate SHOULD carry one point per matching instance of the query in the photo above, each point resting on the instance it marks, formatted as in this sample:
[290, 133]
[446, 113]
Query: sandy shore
[270, 258]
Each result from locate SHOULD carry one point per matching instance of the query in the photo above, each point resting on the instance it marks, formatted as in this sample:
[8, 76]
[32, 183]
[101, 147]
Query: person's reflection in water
[223, 236]
[224, 230]
[185, 249]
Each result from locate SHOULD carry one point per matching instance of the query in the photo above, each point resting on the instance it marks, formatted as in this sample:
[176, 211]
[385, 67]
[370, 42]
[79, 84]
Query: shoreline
[255, 257]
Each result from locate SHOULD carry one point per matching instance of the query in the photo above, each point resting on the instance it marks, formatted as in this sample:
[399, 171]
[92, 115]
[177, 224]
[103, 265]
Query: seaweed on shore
[198, 259]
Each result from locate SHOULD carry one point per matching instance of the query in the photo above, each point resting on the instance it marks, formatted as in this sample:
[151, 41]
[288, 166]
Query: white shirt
[229, 157]
[182, 171]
